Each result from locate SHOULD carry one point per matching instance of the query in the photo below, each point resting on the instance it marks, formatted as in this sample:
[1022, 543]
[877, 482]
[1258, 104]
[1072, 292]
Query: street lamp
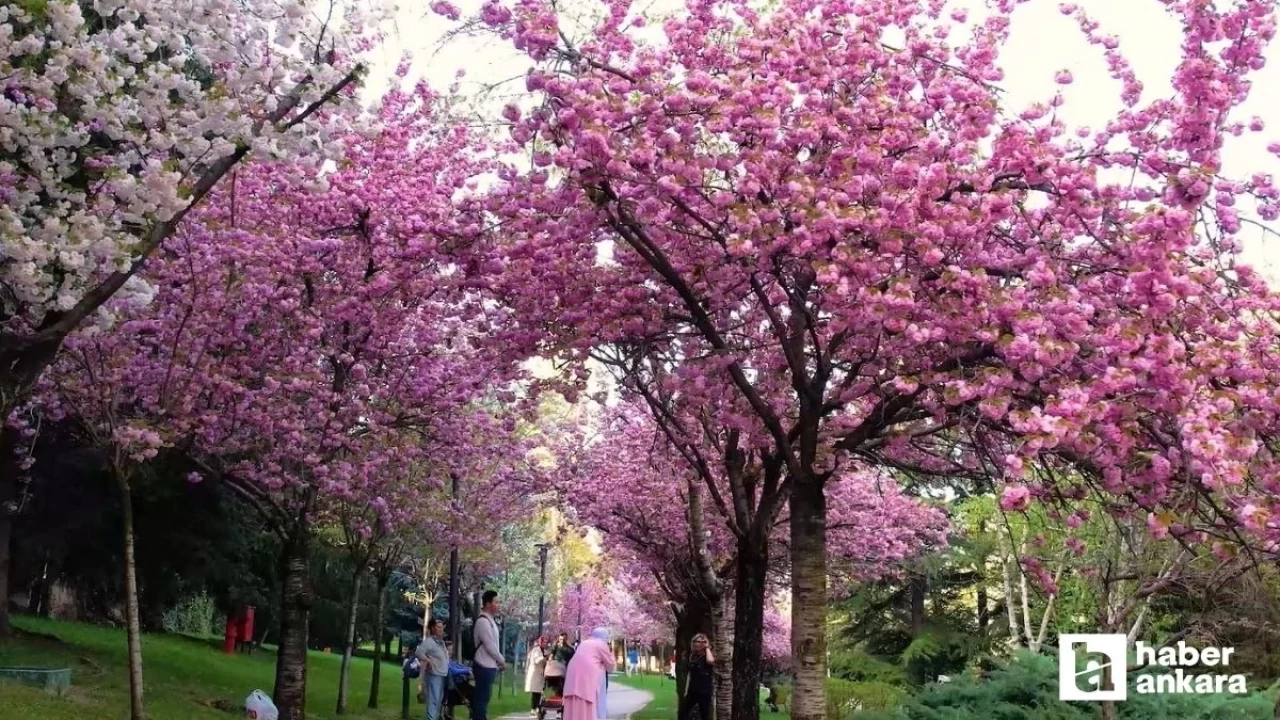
[455, 596]
[579, 612]
[542, 583]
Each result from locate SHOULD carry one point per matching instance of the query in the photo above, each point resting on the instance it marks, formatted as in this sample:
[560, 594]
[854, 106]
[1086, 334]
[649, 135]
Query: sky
[1042, 42]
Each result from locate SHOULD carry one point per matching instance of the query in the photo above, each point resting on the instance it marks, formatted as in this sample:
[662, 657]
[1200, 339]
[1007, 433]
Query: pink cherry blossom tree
[777, 639]
[688, 553]
[368, 528]
[308, 348]
[580, 607]
[413, 503]
[630, 618]
[632, 485]
[121, 117]
[860, 245]
[91, 386]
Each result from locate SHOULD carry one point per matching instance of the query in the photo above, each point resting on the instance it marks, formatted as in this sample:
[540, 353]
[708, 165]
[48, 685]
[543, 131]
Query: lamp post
[455, 597]
[542, 584]
[579, 612]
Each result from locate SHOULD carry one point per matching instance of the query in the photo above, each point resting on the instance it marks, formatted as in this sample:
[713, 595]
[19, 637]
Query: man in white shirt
[435, 667]
[488, 662]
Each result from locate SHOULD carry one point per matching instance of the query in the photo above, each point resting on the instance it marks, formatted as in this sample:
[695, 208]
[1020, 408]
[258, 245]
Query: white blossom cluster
[111, 111]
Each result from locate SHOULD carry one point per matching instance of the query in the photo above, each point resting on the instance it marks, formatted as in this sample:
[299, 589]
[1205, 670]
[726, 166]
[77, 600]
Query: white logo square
[1093, 666]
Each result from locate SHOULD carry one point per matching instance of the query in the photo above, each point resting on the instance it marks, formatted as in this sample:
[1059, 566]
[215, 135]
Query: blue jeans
[435, 696]
[485, 677]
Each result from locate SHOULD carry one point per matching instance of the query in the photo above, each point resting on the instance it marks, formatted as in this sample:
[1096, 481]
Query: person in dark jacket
[699, 688]
[557, 664]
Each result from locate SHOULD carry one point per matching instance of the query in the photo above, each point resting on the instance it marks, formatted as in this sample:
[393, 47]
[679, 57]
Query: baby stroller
[459, 688]
[552, 698]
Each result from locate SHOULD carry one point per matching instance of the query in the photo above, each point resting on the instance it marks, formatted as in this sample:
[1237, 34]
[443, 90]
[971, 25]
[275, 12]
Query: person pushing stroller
[557, 664]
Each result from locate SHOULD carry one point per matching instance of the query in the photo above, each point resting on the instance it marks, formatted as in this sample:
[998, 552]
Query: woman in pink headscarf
[586, 681]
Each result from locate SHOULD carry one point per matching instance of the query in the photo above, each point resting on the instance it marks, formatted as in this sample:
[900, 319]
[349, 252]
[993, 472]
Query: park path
[623, 703]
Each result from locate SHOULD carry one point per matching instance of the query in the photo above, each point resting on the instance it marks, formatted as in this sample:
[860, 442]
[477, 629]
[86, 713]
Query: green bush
[1027, 689]
[196, 615]
[860, 666]
[845, 697]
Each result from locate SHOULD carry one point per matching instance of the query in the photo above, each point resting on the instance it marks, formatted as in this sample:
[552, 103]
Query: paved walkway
[623, 702]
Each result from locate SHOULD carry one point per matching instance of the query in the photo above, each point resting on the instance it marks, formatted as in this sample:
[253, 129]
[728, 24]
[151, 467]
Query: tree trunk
[455, 592]
[712, 589]
[133, 629]
[10, 489]
[722, 640]
[809, 598]
[455, 605]
[344, 674]
[6, 533]
[21, 365]
[984, 611]
[295, 614]
[984, 614]
[380, 641]
[748, 622]
[1011, 603]
[35, 598]
[917, 588]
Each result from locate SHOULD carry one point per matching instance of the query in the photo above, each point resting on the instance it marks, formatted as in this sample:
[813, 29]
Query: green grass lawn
[664, 705]
[663, 690]
[186, 679]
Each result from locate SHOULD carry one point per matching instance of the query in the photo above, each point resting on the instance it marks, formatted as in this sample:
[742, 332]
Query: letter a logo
[1093, 667]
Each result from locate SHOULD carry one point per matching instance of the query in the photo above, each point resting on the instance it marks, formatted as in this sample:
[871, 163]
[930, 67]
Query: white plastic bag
[258, 706]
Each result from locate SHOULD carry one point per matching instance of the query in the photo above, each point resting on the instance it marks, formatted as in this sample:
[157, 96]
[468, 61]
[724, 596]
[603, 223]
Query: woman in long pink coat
[585, 681]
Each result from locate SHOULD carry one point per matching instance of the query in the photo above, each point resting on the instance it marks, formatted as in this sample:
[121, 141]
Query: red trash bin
[232, 633]
[246, 625]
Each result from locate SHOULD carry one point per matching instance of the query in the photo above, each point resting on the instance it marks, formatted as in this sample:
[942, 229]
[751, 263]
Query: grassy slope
[184, 678]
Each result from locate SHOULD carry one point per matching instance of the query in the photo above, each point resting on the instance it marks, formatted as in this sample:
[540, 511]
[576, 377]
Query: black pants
[535, 700]
[698, 706]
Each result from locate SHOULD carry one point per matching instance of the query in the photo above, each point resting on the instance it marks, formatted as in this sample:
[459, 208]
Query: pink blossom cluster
[581, 605]
[631, 484]
[806, 212]
[777, 638]
[873, 527]
[309, 343]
